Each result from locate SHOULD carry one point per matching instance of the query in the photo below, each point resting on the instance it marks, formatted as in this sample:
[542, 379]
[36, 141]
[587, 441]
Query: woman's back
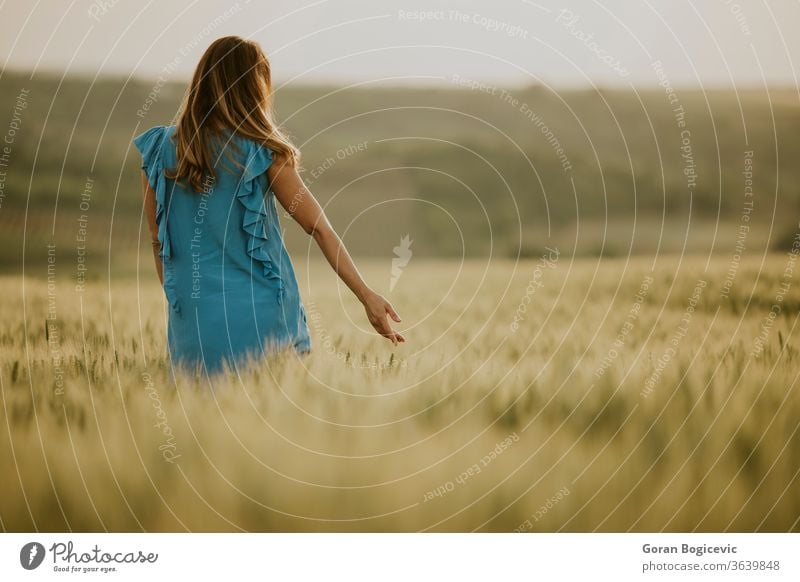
[219, 250]
[228, 279]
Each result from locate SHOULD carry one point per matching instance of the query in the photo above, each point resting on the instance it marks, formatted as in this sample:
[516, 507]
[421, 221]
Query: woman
[210, 184]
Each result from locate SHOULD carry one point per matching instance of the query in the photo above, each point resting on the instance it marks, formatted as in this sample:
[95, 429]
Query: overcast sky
[507, 42]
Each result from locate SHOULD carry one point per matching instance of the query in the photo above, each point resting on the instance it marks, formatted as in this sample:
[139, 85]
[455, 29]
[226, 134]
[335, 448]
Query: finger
[384, 329]
[390, 335]
[397, 337]
[390, 310]
[381, 325]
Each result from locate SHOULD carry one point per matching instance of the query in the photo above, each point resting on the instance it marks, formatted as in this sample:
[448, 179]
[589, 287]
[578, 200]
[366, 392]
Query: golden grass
[362, 437]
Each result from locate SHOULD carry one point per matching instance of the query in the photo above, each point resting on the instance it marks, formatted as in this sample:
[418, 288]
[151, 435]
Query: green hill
[461, 171]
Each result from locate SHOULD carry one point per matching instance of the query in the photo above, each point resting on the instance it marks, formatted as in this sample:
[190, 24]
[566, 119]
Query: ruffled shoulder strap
[251, 194]
[150, 145]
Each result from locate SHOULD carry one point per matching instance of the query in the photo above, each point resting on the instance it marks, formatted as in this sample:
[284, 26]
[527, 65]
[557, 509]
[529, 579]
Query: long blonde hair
[231, 89]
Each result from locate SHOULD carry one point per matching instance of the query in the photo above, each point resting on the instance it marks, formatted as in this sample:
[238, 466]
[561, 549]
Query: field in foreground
[538, 396]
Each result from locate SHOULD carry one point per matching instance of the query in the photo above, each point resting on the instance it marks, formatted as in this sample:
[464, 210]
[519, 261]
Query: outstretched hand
[301, 205]
[379, 310]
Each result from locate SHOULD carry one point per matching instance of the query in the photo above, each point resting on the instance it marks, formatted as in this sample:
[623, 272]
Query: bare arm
[301, 205]
[150, 214]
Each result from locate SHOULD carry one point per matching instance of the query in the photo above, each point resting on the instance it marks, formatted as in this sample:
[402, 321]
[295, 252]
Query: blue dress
[230, 285]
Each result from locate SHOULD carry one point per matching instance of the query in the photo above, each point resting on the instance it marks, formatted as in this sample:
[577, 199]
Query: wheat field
[548, 394]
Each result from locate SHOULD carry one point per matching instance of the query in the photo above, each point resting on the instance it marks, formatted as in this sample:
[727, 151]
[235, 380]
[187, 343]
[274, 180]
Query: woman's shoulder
[155, 132]
[255, 155]
[246, 143]
[157, 144]
[150, 142]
